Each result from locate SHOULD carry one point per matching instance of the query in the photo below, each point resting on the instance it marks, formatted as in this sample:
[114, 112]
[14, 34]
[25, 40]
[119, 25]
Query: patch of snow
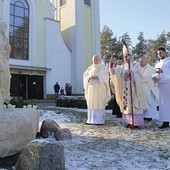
[112, 146]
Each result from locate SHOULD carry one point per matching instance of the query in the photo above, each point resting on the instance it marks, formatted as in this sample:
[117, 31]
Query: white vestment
[151, 112]
[152, 91]
[163, 79]
[97, 93]
[123, 93]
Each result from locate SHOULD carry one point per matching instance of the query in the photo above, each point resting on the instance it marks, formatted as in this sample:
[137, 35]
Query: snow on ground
[112, 146]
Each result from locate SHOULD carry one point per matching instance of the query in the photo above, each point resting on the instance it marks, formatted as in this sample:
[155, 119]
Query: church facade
[51, 41]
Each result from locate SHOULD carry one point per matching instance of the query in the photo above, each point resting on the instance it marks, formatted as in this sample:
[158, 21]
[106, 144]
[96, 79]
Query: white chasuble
[152, 91]
[97, 93]
[124, 92]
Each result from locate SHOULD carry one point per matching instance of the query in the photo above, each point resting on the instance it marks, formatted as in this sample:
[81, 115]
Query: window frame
[19, 32]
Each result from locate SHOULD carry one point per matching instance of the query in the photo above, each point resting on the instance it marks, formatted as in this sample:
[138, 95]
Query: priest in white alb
[130, 95]
[151, 89]
[97, 91]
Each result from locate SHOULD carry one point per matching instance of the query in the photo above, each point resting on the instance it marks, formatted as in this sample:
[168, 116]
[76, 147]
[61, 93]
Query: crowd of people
[139, 89]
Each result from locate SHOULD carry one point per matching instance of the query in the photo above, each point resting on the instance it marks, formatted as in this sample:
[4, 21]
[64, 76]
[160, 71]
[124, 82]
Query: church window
[19, 29]
[62, 2]
[87, 2]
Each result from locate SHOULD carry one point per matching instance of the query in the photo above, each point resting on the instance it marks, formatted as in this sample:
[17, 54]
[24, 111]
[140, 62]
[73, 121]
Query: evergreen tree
[141, 47]
[126, 38]
[106, 42]
[109, 44]
[153, 46]
[117, 48]
[152, 51]
[162, 40]
[168, 42]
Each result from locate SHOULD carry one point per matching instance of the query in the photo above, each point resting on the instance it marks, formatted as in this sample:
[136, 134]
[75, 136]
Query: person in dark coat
[56, 89]
[68, 89]
[116, 109]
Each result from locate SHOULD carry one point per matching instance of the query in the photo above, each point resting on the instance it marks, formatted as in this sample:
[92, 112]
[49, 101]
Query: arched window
[19, 29]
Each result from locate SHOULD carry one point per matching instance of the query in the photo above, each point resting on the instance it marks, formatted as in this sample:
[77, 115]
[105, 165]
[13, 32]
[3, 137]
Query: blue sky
[121, 16]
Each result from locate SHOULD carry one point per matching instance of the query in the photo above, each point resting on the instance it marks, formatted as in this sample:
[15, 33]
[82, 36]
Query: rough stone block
[18, 127]
[42, 154]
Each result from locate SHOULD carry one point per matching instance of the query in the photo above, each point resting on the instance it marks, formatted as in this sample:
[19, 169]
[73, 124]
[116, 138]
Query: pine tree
[110, 46]
[126, 38]
[141, 47]
[153, 46]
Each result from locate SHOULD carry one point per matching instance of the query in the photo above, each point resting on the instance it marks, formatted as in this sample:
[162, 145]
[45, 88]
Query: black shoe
[134, 127]
[88, 124]
[114, 113]
[93, 124]
[147, 119]
[119, 116]
[128, 126]
[164, 125]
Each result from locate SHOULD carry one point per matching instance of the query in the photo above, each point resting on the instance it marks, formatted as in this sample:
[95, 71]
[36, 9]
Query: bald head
[143, 62]
[95, 59]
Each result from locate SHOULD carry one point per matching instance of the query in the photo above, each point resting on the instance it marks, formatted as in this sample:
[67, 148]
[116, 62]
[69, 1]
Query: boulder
[18, 127]
[42, 154]
[63, 134]
[49, 127]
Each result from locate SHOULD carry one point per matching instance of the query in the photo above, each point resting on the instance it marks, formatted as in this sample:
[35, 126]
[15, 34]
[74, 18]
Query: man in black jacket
[56, 90]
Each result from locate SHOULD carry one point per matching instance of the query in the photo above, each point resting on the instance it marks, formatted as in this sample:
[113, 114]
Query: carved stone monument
[18, 126]
[5, 75]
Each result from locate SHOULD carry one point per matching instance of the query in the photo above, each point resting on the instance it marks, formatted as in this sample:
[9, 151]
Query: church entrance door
[27, 86]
